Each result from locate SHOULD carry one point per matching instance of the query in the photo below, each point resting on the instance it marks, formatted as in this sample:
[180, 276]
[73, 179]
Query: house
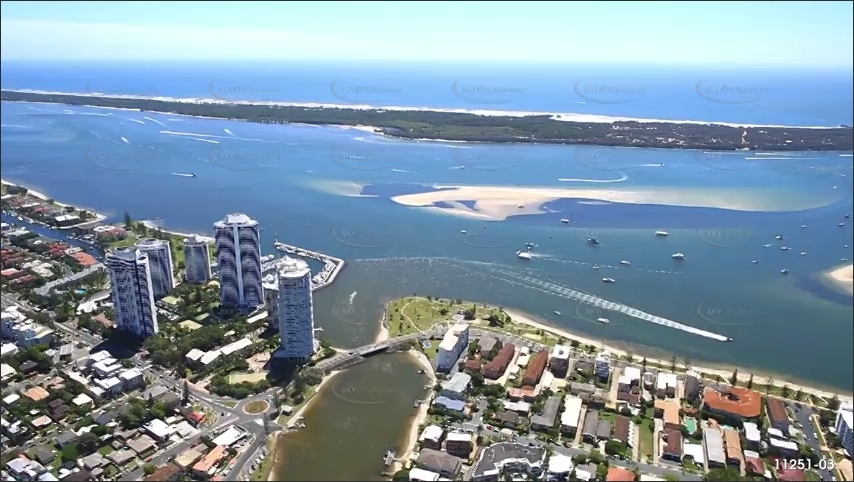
[583, 367]
[485, 344]
[576, 388]
[158, 429]
[498, 365]
[93, 461]
[37, 393]
[203, 467]
[620, 474]
[439, 462]
[456, 387]
[431, 437]
[460, 444]
[624, 430]
[546, 420]
[692, 387]
[65, 439]
[752, 436]
[591, 423]
[783, 448]
[512, 459]
[188, 458]
[142, 445]
[28, 367]
[422, 475]
[714, 445]
[510, 419]
[665, 385]
[732, 444]
[668, 411]
[671, 443]
[559, 361]
[753, 463]
[535, 369]
[777, 414]
[451, 405]
[43, 455]
[735, 403]
[571, 415]
[168, 472]
[560, 466]
[23, 468]
[473, 366]
[121, 457]
[603, 430]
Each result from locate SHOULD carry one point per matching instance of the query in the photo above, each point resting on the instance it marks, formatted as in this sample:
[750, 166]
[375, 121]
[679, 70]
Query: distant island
[471, 127]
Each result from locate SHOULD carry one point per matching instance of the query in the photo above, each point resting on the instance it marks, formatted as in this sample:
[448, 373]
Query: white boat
[755, 261]
[766, 245]
[784, 248]
[841, 224]
[595, 267]
[778, 237]
[626, 263]
[803, 226]
[521, 206]
[608, 280]
[20, 218]
[803, 253]
[604, 320]
[677, 256]
[847, 216]
[557, 312]
[564, 221]
[463, 231]
[184, 174]
[662, 233]
[784, 271]
[524, 255]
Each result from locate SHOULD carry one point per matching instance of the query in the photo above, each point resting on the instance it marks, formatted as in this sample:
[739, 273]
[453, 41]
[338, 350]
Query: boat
[840, 224]
[20, 218]
[803, 226]
[766, 245]
[803, 253]
[626, 263]
[784, 248]
[524, 255]
[729, 339]
[847, 216]
[184, 174]
[521, 206]
[595, 267]
[592, 241]
[416, 404]
[677, 256]
[604, 320]
[662, 233]
[463, 231]
[784, 271]
[530, 245]
[389, 457]
[564, 221]
[755, 261]
[608, 280]
[557, 312]
[778, 237]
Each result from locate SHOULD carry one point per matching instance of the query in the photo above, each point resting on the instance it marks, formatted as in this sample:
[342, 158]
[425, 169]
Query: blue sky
[778, 33]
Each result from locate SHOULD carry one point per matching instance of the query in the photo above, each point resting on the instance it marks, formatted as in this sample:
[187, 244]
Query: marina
[332, 266]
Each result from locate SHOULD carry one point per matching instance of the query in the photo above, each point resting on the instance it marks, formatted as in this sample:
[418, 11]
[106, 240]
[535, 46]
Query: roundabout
[256, 407]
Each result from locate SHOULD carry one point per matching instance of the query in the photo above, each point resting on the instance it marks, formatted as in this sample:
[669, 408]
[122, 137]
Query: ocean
[330, 189]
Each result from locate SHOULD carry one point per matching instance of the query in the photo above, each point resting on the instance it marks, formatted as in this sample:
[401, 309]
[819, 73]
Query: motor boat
[463, 231]
[677, 256]
[847, 216]
[564, 221]
[784, 248]
[592, 241]
[841, 224]
[755, 261]
[803, 226]
[803, 253]
[524, 255]
[609, 280]
[557, 312]
[626, 263]
[604, 320]
[662, 233]
[595, 267]
[784, 271]
[778, 237]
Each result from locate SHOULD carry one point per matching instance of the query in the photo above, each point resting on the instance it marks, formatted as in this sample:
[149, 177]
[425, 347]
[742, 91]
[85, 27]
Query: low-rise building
[559, 362]
[445, 465]
[591, 424]
[509, 459]
[535, 369]
[451, 405]
[460, 444]
[783, 448]
[189, 458]
[431, 437]
[665, 385]
[735, 403]
[498, 365]
[546, 420]
[422, 475]
[110, 386]
[671, 445]
[131, 378]
[168, 473]
[158, 429]
[777, 414]
[624, 430]
[522, 408]
[205, 467]
[571, 415]
[668, 411]
[456, 387]
[752, 436]
[619, 474]
[142, 445]
[732, 444]
[602, 365]
[714, 445]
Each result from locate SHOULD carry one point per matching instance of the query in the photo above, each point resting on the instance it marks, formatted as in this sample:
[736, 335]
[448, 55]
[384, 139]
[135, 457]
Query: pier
[332, 266]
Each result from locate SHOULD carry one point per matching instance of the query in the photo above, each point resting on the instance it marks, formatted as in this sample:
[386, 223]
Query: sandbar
[497, 203]
[842, 278]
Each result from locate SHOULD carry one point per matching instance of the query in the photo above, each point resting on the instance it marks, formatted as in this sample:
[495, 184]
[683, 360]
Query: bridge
[358, 354]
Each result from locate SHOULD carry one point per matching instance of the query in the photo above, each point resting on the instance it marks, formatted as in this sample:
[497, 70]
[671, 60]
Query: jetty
[332, 266]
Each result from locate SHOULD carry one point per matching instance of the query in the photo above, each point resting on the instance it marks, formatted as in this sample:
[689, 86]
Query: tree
[185, 392]
[88, 443]
[769, 383]
[733, 380]
[614, 447]
[728, 474]
[799, 394]
[128, 220]
[750, 382]
[643, 363]
[673, 363]
[834, 403]
[786, 391]
[149, 469]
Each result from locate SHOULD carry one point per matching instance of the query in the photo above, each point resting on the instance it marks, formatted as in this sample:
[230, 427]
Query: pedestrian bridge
[358, 354]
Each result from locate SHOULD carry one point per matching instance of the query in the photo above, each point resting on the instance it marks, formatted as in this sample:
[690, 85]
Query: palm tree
[673, 363]
[769, 383]
[786, 391]
[799, 394]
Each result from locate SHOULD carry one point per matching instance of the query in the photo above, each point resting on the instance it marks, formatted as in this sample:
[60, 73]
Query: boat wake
[623, 177]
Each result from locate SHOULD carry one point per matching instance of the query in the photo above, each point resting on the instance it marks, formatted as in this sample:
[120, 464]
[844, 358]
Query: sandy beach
[497, 203]
[44, 197]
[421, 416]
[843, 278]
[152, 225]
[743, 373]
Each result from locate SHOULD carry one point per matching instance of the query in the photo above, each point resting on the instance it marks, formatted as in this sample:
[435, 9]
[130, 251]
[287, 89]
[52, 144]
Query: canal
[59, 235]
[360, 414]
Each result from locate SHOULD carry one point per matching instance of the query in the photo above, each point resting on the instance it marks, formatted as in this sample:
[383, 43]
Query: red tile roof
[777, 411]
[735, 401]
[536, 368]
[754, 465]
[620, 474]
[496, 367]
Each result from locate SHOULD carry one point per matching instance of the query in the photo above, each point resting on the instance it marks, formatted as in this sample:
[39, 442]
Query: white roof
[560, 464]
[210, 356]
[130, 374]
[633, 373]
[523, 360]
[195, 354]
[785, 444]
[8, 348]
[12, 398]
[108, 383]
[432, 432]
[421, 474]
[523, 407]
[229, 437]
[775, 432]
[259, 316]
[847, 417]
[714, 441]
[459, 437]
[560, 352]
[6, 371]
[158, 427]
[695, 451]
[81, 399]
[449, 342]
[665, 380]
[571, 411]
[99, 356]
[751, 432]
[648, 477]
[236, 346]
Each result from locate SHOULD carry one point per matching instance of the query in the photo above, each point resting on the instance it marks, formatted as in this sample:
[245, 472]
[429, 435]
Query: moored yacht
[677, 256]
[609, 280]
[564, 221]
[784, 271]
[755, 261]
[592, 241]
[625, 263]
[557, 312]
[778, 237]
[524, 255]
[662, 233]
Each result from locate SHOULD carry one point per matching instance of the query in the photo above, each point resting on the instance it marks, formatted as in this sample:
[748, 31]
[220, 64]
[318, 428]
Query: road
[804, 416]
[45, 289]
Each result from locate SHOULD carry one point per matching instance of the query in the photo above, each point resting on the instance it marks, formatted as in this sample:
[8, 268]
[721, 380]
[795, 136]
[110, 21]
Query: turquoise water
[293, 179]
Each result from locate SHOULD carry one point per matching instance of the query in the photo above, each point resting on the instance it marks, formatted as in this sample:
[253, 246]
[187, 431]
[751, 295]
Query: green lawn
[646, 444]
[105, 450]
[125, 243]
[240, 377]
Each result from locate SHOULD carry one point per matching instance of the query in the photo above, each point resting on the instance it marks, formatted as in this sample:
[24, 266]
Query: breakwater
[332, 266]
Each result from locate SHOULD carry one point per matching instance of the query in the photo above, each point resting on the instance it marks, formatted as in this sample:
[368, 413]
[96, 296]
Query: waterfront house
[546, 420]
[460, 444]
[456, 387]
[713, 442]
[431, 437]
[445, 465]
[671, 443]
[777, 414]
[735, 403]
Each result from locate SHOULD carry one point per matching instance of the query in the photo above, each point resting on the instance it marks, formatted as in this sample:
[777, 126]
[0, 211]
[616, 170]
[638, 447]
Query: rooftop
[736, 401]
[493, 456]
[620, 474]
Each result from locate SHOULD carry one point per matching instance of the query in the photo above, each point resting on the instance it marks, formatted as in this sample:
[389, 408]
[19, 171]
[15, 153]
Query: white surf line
[788, 158]
[622, 178]
[619, 307]
[134, 120]
[353, 296]
[155, 121]
[193, 134]
[16, 126]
